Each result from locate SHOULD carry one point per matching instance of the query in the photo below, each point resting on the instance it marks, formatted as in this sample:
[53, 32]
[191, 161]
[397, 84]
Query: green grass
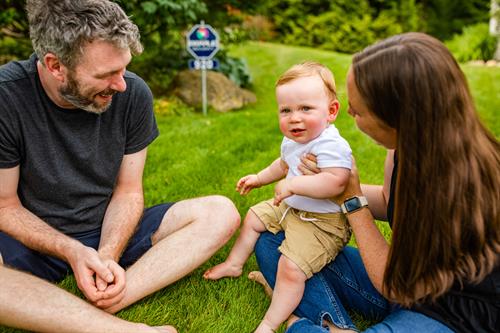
[197, 155]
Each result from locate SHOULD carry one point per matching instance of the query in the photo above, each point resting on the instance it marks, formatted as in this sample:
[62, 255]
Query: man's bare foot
[221, 270]
[165, 329]
[143, 328]
[259, 278]
[264, 328]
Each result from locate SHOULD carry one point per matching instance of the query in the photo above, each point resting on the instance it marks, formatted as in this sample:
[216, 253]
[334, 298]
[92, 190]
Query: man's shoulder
[16, 70]
[134, 78]
[136, 85]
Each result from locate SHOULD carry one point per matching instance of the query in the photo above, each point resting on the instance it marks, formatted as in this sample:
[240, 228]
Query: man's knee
[224, 207]
[224, 213]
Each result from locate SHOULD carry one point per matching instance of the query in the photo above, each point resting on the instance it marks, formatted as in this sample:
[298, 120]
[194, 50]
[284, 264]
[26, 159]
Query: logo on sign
[202, 33]
[202, 41]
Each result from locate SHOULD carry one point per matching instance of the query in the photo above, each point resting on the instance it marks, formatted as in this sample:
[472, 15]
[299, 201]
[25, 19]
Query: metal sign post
[202, 42]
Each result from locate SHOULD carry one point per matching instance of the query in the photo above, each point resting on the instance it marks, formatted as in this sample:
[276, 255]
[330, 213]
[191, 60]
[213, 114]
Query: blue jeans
[342, 285]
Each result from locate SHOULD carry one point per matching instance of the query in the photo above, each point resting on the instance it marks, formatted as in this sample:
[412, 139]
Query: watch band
[353, 204]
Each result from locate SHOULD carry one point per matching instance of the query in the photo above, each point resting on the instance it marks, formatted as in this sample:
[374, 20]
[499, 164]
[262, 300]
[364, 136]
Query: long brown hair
[446, 227]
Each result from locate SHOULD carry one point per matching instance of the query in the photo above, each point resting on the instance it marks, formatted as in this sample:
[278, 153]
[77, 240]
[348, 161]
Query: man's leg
[190, 233]
[14, 254]
[33, 304]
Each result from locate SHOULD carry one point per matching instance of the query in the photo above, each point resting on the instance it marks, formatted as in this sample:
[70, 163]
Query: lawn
[197, 155]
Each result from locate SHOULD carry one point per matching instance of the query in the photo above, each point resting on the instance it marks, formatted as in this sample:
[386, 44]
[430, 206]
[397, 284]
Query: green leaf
[149, 7]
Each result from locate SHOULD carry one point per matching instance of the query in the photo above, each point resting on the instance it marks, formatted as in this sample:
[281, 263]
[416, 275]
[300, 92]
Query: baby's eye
[306, 108]
[285, 110]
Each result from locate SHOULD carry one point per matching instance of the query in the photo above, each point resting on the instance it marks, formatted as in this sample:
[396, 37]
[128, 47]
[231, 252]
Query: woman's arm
[372, 245]
[378, 195]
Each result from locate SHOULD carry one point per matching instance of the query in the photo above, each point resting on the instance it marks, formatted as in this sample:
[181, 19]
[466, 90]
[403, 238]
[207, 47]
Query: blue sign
[202, 41]
[203, 64]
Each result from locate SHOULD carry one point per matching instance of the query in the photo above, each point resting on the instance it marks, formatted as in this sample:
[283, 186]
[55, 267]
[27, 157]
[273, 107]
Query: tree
[495, 26]
[447, 17]
[14, 31]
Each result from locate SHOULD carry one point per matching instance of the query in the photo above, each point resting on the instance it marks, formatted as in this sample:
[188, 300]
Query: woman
[441, 192]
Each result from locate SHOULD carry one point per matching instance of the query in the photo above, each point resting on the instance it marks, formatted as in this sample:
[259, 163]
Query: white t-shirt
[331, 151]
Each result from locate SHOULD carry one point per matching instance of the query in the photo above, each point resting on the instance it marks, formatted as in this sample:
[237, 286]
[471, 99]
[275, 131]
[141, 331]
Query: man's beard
[71, 92]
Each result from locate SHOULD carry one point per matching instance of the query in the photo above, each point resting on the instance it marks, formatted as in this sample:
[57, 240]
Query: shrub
[236, 69]
[171, 106]
[474, 43]
[341, 25]
[258, 27]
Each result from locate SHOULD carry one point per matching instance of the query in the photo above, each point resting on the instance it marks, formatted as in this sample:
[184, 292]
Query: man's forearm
[120, 221]
[34, 233]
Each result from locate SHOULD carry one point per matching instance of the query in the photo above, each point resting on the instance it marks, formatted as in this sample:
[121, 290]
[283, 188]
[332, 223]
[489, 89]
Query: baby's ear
[333, 110]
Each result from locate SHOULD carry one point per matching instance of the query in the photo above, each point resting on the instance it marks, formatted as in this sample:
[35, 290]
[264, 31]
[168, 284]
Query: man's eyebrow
[101, 75]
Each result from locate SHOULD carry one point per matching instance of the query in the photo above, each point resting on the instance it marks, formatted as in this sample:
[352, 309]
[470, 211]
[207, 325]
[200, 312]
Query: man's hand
[86, 265]
[114, 291]
[282, 191]
[248, 183]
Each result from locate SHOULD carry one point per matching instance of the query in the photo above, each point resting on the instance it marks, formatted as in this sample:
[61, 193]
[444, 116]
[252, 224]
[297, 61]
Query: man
[74, 131]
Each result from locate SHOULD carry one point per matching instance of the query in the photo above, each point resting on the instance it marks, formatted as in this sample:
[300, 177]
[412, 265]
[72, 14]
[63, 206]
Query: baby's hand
[247, 183]
[281, 191]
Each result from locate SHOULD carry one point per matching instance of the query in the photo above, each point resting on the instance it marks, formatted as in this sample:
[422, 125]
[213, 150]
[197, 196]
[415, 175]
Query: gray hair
[64, 27]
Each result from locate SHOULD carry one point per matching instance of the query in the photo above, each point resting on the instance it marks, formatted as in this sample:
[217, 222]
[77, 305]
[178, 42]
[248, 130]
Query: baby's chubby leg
[288, 291]
[242, 249]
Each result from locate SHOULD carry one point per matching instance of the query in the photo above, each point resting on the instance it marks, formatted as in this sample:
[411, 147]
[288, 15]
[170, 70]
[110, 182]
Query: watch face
[352, 204]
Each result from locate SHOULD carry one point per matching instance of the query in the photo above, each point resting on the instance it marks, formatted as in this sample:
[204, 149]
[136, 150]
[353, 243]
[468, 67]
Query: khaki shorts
[312, 240]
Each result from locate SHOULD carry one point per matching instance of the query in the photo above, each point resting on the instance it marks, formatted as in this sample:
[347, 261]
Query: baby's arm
[275, 171]
[328, 183]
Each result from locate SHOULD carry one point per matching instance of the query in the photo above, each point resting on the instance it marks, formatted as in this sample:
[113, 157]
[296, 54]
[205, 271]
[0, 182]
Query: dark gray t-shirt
[69, 158]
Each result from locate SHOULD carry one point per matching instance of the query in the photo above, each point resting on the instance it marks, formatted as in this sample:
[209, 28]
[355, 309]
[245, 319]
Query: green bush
[235, 69]
[340, 25]
[474, 43]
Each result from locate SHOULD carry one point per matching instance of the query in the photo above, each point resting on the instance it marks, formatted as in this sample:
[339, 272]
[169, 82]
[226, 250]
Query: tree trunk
[495, 26]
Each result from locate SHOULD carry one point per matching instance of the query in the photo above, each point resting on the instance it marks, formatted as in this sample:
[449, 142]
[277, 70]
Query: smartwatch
[353, 204]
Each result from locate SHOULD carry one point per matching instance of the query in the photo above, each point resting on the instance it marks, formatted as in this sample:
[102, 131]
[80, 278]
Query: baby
[315, 229]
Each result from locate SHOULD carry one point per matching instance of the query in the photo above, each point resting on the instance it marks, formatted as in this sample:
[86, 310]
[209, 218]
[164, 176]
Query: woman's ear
[54, 67]
[333, 110]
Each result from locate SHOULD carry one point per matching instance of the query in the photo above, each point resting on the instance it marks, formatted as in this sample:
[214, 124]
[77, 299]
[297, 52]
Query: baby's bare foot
[259, 278]
[224, 269]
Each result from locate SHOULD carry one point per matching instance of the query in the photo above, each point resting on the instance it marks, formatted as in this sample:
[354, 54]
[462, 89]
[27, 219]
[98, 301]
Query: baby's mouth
[297, 131]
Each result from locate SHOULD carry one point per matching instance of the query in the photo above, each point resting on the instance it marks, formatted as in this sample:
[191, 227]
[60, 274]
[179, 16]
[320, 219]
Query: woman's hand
[352, 188]
[309, 166]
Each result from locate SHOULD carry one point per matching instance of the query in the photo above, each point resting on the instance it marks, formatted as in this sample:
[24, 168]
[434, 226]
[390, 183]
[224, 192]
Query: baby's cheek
[283, 127]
